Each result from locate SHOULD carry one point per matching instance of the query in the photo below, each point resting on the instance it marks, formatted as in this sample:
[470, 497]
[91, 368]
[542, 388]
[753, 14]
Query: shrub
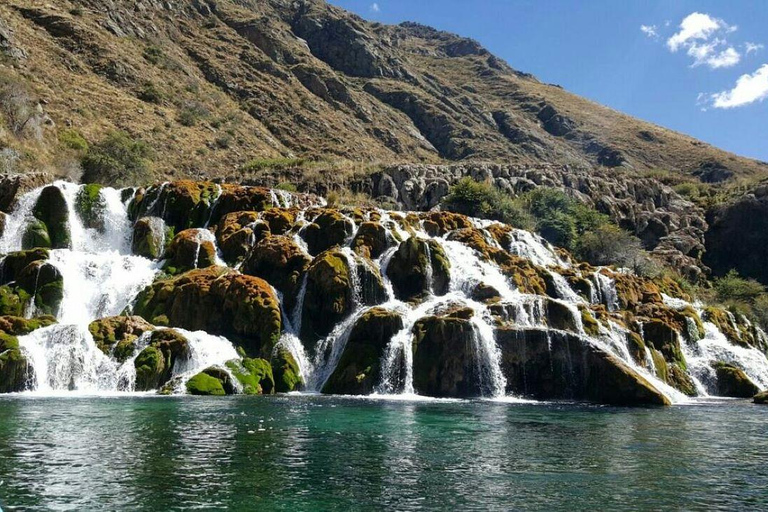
[288, 187]
[117, 160]
[192, 112]
[153, 54]
[259, 164]
[150, 93]
[609, 244]
[485, 201]
[73, 139]
[733, 287]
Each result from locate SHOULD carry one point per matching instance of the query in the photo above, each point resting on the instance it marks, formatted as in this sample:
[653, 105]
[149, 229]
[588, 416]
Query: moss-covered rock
[282, 263]
[733, 382]
[418, 267]
[588, 321]
[189, 249]
[359, 368]
[329, 296]
[219, 301]
[149, 237]
[371, 240]
[237, 232]
[43, 282]
[440, 223]
[761, 398]
[664, 338]
[328, 229]
[212, 381]
[117, 335]
[255, 375]
[18, 326]
[237, 198]
[443, 356]
[286, 371]
[279, 220]
[154, 365]
[181, 204]
[51, 209]
[90, 206]
[15, 262]
[36, 235]
[15, 369]
[561, 365]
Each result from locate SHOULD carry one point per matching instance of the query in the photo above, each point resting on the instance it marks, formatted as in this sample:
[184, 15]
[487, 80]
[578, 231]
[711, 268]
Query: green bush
[288, 187]
[733, 287]
[485, 201]
[72, 139]
[117, 160]
[192, 112]
[258, 164]
[608, 244]
[153, 54]
[150, 93]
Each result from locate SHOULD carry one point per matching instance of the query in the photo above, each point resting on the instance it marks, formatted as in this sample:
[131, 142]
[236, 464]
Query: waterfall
[101, 277]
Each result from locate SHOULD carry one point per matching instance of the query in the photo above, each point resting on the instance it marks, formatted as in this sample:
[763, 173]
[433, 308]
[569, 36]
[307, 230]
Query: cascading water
[100, 278]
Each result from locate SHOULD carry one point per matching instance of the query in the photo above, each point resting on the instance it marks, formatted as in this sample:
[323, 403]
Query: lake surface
[331, 453]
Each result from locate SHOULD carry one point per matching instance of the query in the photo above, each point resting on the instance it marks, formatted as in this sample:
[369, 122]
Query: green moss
[149, 365]
[591, 326]
[255, 375]
[49, 296]
[204, 384]
[13, 300]
[285, 371]
[90, 206]
[73, 139]
[36, 235]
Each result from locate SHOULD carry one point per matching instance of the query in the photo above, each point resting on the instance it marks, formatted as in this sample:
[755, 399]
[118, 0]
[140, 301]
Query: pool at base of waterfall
[336, 453]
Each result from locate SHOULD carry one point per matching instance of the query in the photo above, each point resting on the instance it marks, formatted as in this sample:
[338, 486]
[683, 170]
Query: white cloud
[709, 55]
[752, 47]
[650, 31]
[703, 38]
[695, 26]
[375, 7]
[748, 89]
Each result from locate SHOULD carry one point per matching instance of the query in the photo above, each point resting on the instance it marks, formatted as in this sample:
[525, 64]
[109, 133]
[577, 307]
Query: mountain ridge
[211, 85]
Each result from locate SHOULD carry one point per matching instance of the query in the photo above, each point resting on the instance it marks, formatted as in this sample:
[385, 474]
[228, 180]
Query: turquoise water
[328, 453]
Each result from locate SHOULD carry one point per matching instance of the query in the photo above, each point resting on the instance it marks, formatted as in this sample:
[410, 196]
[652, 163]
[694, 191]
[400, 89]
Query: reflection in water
[315, 452]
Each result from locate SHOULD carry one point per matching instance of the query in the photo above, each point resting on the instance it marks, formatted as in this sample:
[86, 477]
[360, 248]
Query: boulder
[444, 359]
[412, 265]
[43, 282]
[371, 240]
[282, 263]
[90, 206]
[181, 204]
[51, 209]
[15, 262]
[154, 365]
[18, 326]
[328, 229]
[238, 232]
[286, 372]
[329, 296]
[36, 235]
[219, 301]
[359, 368]
[255, 375]
[15, 369]
[559, 365]
[212, 381]
[117, 335]
[191, 248]
[149, 236]
[733, 382]
[761, 398]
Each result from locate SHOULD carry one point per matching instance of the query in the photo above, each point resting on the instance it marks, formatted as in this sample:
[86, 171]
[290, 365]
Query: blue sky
[697, 67]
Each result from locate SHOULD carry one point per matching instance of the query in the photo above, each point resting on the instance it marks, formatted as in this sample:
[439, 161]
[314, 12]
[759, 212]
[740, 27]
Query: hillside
[213, 84]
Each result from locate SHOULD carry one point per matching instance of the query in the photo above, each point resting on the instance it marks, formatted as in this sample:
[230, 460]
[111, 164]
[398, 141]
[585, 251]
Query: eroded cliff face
[213, 84]
[253, 290]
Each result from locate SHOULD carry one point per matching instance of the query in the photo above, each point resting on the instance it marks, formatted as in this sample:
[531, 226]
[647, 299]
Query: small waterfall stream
[101, 278]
